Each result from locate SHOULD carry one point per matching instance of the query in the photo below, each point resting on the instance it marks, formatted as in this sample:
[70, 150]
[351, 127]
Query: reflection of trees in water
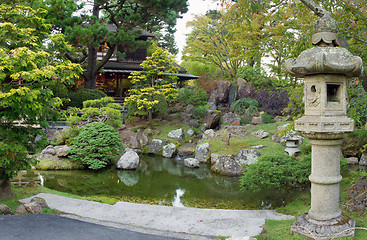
[129, 178]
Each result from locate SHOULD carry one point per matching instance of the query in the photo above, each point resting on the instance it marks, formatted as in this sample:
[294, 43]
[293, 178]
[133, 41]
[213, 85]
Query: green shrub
[97, 145]
[357, 104]
[196, 97]
[244, 121]
[295, 104]
[77, 98]
[267, 118]
[201, 110]
[256, 76]
[353, 144]
[242, 104]
[276, 171]
[66, 137]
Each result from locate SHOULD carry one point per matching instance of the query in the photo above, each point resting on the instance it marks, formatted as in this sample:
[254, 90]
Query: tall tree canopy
[29, 64]
[91, 30]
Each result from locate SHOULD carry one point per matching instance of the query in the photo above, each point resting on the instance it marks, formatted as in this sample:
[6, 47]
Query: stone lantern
[326, 69]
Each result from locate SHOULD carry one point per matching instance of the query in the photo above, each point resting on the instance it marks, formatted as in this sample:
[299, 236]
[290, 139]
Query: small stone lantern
[326, 69]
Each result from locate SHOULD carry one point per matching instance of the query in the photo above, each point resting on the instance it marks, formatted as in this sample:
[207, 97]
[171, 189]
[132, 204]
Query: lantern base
[342, 226]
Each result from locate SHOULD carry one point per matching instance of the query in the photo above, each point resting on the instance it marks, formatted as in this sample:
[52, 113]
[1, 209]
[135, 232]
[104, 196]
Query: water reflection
[177, 201]
[129, 178]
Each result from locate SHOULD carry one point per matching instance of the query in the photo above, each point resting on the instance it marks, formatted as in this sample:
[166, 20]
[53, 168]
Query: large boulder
[225, 164]
[129, 161]
[223, 91]
[352, 160]
[40, 201]
[169, 150]
[212, 119]
[194, 123]
[36, 205]
[5, 210]
[133, 140]
[156, 145]
[208, 134]
[48, 152]
[62, 150]
[213, 97]
[186, 151]
[363, 160]
[190, 132]
[230, 118]
[202, 152]
[177, 134]
[247, 156]
[191, 162]
[260, 134]
[244, 88]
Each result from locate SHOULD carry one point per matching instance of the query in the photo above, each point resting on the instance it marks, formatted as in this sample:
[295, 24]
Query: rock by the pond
[48, 152]
[363, 160]
[212, 119]
[209, 134]
[177, 134]
[190, 132]
[223, 91]
[129, 161]
[5, 210]
[191, 162]
[194, 123]
[169, 150]
[156, 145]
[247, 156]
[186, 151]
[352, 160]
[202, 152]
[62, 150]
[257, 120]
[260, 134]
[133, 140]
[225, 164]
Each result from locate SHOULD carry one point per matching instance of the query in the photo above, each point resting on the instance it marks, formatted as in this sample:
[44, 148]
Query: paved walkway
[180, 222]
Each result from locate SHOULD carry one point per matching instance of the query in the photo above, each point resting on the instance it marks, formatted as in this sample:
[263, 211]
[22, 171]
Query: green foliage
[295, 104]
[357, 109]
[267, 118]
[195, 97]
[276, 171]
[256, 76]
[200, 111]
[96, 146]
[244, 121]
[150, 87]
[198, 68]
[354, 144]
[66, 137]
[242, 104]
[96, 110]
[77, 98]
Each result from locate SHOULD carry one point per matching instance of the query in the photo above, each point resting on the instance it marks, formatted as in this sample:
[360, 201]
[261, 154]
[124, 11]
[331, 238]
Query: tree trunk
[150, 118]
[5, 189]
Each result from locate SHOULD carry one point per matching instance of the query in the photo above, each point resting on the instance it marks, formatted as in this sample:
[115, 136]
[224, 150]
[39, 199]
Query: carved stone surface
[339, 227]
[319, 60]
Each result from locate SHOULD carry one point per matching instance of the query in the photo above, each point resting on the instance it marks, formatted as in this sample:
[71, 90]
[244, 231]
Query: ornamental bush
[196, 97]
[272, 101]
[77, 98]
[97, 146]
[276, 171]
[242, 104]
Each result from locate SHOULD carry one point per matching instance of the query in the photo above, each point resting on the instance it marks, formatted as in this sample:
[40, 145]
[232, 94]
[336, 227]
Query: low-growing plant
[242, 104]
[272, 101]
[200, 111]
[276, 171]
[357, 104]
[196, 97]
[97, 146]
[267, 118]
[295, 104]
[77, 98]
[353, 144]
[244, 121]
[66, 136]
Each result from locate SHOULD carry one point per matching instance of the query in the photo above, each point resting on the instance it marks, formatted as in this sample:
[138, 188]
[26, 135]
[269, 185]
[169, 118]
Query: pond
[162, 181]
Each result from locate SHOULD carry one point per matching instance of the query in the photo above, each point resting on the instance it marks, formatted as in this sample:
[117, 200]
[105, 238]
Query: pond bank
[205, 222]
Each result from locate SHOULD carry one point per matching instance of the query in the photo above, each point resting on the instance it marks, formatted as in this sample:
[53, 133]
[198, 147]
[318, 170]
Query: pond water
[166, 181]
